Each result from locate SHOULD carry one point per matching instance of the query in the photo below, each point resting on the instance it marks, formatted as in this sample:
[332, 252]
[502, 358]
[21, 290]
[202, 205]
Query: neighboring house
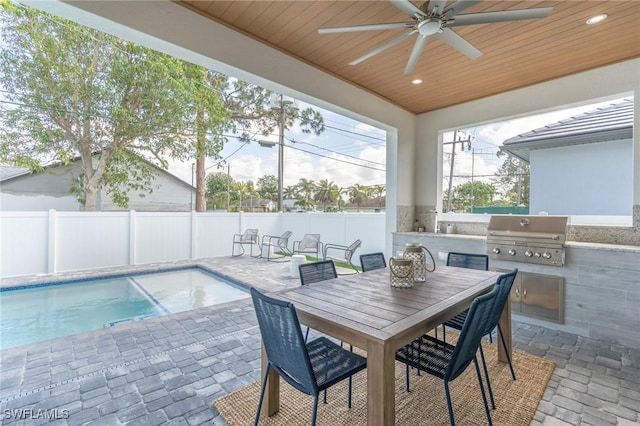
[582, 165]
[21, 190]
[375, 205]
[257, 204]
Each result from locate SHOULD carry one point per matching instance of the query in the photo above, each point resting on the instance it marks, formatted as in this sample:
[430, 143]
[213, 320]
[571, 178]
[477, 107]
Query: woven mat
[516, 401]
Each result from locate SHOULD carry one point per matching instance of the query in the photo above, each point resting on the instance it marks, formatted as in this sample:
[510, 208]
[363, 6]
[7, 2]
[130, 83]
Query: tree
[218, 189]
[469, 194]
[327, 192]
[306, 189]
[378, 191]
[512, 179]
[358, 194]
[79, 93]
[268, 187]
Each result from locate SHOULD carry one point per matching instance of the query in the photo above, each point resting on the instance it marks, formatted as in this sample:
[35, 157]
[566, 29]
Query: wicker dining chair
[309, 367]
[314, 272]
[504, 283]
[448, 362]
[371, 261]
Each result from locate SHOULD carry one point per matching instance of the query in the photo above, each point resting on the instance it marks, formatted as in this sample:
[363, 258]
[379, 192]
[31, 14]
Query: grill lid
[544, 229]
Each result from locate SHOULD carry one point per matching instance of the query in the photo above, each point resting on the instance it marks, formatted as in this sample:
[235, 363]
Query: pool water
[29, 315]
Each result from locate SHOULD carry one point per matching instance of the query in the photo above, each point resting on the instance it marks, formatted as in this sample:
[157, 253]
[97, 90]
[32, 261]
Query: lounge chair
[341, 253]
[279, 243]
[310, 244]
[250, 236]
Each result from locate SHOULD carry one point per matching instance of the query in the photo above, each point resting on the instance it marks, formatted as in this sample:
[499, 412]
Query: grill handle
[527, 234]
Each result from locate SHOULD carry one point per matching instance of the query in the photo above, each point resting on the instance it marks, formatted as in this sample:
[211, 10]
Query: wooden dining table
[364, 310]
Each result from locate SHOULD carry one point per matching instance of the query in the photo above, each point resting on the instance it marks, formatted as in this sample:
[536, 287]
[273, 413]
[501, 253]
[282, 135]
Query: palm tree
[327, 193]
[306, 188]
[377, 191]
[357, 194]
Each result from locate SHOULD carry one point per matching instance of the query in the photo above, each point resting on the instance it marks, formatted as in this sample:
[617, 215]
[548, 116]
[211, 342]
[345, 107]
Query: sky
[347, 152]
[486, 140]
[350, 152]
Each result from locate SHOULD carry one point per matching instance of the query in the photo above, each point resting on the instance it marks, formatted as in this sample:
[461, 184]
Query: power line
[335, 152]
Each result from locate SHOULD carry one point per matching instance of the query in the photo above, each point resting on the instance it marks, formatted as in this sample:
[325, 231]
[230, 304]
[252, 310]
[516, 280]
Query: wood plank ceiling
[515, 54]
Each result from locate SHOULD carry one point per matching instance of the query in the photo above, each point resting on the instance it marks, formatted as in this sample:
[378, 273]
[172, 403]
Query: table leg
[505, 325]
[271, 403]
[381, 403]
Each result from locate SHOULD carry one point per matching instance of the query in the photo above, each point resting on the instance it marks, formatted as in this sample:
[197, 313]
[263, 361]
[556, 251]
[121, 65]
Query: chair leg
[407, 377]
[349, 393]
[444, 334]
[264, 387]
[506, 351]
[306, 335]
[233, 248]
[484, 396]
[486, 375]
[449, 407]
[315, 410]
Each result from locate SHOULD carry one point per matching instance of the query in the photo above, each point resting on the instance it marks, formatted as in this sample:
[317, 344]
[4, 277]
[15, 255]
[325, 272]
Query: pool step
[128, 320]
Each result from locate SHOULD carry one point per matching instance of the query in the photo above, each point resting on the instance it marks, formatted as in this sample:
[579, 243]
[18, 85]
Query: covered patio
[169, 370]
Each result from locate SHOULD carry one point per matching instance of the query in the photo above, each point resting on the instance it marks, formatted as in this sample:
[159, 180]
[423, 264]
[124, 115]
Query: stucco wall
[588, 179]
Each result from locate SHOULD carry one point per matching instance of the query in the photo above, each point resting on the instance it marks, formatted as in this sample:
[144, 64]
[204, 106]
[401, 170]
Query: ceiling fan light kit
[436, 19]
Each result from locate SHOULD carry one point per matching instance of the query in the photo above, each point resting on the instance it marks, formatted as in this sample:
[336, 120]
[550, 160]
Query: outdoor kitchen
[588, 288]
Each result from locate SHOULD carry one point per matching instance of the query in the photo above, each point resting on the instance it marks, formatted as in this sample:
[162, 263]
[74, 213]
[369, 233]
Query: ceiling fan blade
[382, 47]
[502, 16]
[436, 6]
[457, 7]
[371, 27]
[409, 8]
[418, 48]
[457, 42]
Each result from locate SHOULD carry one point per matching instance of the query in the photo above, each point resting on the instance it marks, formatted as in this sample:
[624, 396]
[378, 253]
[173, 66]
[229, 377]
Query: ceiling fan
[436, 19]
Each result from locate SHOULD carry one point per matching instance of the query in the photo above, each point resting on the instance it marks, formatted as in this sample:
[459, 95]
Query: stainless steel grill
[529, 239]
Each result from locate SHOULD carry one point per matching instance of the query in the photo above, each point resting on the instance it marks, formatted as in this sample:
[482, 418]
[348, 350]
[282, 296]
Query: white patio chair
[341, 253]
[250, 236]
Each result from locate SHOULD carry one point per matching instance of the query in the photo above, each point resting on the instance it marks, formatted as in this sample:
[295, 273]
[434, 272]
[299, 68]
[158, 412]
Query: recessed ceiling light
[416, 81]
[597, 18]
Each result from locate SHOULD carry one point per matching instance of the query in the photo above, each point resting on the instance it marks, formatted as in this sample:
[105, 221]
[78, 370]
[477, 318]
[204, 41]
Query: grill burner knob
[496, 250]
[546, 255]
[537, 254]
[528, 253]
[512, 252]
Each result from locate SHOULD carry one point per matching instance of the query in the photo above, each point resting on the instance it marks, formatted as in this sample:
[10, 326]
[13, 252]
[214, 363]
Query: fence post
[51, 255]
[132, 237]
[194, 235]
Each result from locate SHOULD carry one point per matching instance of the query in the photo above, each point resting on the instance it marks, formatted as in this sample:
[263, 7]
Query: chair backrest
[371, 261]
[468, 260]
[286, 235]
[317, 271]
[249, 235]
[309, 242]
[472, 332]
[348, 254]
[283, 341]
[504, 284]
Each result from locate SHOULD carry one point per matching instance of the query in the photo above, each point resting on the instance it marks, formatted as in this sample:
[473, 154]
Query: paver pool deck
[168, 370]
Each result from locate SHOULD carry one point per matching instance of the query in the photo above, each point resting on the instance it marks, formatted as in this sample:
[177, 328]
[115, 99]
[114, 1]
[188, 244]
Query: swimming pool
[31, 314]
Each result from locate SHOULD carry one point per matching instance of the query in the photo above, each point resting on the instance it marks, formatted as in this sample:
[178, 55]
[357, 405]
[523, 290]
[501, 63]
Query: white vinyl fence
[47, 242]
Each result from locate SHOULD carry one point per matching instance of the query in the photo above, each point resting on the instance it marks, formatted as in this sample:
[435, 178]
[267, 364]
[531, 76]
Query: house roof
[9, 172]
[609, 123]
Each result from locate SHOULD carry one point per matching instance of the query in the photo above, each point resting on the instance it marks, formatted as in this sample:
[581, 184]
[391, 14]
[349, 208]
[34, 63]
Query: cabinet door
[542, 296]
[516, 294]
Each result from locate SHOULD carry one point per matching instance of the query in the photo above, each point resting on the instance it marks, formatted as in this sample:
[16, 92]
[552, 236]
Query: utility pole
[453, 155]
[280, 104]
[228, 186]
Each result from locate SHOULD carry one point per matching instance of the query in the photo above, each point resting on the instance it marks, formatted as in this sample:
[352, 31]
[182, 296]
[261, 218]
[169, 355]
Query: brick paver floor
[168, 370]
